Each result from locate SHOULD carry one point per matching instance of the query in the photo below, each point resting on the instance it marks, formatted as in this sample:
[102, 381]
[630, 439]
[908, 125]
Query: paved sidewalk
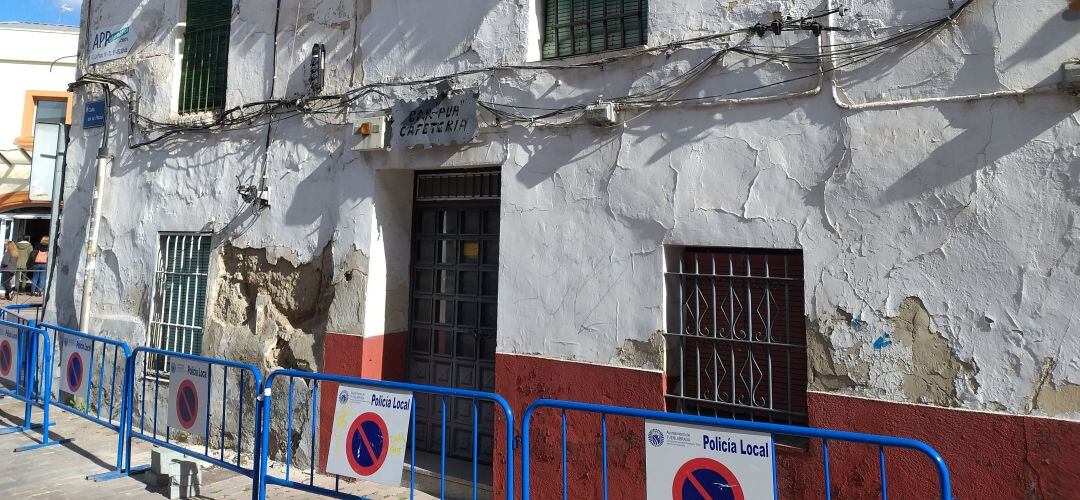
[60, 471]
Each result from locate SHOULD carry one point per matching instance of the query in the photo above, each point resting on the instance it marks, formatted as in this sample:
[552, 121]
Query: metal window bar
[180, 297]
[203, 74]
[458, 186]
[574, 27]
[737, 343]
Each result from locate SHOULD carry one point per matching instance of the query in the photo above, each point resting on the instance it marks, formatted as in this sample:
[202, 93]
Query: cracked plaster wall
[952, 226]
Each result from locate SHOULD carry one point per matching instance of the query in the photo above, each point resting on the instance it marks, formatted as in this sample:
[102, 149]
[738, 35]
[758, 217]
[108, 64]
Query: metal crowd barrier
[149, 428]
[317, 379]
[32, 361]
[105, 387]
[603, 411]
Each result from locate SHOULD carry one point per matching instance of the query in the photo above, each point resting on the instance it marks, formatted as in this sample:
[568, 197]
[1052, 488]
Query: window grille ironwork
[204, 67]
[574, 27]
[183, 267]
[450, 186]
[737, 341]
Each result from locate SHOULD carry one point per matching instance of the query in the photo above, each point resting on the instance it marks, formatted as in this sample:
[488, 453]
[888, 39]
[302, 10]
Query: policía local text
[730, 446]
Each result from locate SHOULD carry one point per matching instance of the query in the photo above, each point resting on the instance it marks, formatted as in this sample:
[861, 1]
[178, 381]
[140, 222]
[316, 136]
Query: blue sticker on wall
[885, 340]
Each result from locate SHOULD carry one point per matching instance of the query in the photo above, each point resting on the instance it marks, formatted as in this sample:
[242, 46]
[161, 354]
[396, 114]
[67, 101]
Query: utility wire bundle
[834, 55]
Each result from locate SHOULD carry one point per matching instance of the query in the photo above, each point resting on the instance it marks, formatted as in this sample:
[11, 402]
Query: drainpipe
[104, 168]
[104, 165]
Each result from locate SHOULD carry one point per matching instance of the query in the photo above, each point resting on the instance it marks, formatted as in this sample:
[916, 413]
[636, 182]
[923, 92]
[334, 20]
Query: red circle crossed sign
[7, 358]
[74, 375]
[187, 404]
[367, 444]
[704, 478]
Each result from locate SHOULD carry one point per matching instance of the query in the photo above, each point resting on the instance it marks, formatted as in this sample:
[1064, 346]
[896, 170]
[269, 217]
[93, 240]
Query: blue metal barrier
[825, 435]
[316, 379]
[137, 425]
[32, 359]
[110, 384]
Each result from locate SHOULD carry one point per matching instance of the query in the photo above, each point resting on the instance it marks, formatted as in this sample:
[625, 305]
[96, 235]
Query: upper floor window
[737, 334]
[574, 27]
[204, 67]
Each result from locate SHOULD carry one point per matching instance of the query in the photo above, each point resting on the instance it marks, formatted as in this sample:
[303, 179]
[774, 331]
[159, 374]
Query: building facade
[848, 214]
[38, 62]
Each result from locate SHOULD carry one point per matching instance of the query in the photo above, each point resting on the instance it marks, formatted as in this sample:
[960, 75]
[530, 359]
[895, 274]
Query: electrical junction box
[370, 134]
[1071, 83]
[601, 114]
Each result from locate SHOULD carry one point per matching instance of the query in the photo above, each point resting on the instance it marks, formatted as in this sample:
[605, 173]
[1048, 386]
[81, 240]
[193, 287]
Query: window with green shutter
[179, 309]
[204, 68]
[573, 27]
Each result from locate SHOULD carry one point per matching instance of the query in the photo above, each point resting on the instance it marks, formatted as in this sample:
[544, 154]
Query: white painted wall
[26, 53]
[972, 207]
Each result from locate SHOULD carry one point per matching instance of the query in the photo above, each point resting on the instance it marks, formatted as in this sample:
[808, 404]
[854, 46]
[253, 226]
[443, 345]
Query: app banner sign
[9, 354]
[110, 43]
[689, 461]
[371, 430]
[76, 357]
[189, 395]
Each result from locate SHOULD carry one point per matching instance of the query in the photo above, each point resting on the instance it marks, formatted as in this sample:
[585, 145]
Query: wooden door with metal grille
[454, 290]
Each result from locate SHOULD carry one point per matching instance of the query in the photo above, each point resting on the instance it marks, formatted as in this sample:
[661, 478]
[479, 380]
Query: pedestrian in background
[38, 259]
[7, 267]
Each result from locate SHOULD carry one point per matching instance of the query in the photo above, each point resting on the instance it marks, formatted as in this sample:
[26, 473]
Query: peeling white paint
[971, 207]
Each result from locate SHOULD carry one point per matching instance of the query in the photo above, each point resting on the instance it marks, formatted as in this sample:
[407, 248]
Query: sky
[41, 11]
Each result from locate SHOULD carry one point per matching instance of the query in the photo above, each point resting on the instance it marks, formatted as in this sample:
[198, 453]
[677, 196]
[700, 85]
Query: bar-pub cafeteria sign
[439, 121]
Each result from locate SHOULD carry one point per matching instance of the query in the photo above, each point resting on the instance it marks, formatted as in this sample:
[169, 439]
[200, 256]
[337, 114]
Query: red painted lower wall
[524, 379]
[379, 357]
[989, 455]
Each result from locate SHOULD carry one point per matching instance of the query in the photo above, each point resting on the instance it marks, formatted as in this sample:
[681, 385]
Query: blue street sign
[94, 114]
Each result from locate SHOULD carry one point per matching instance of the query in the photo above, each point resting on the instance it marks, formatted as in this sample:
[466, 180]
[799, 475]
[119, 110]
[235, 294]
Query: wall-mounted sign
[94, 114]
[438, 121]
[693, 461]
[111, 43]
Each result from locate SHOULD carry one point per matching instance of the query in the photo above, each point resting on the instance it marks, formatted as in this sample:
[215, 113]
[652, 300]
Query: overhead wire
[839, 55]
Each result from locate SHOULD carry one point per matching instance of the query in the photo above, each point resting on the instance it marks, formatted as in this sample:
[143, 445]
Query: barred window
[573, 27]
[183, 264]
[204, 67]
[737, 334]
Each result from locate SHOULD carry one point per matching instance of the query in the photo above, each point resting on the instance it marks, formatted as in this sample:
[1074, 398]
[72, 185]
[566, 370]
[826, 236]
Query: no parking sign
[9, 354]
[684, 462]
[189, 393]
[75, 359]
[371, 429]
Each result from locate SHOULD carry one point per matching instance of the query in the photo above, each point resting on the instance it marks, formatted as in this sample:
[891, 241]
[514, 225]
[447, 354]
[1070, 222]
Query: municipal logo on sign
[189, 394]
[656, 438]
[371, 429]
[77, 354]
[702, 462]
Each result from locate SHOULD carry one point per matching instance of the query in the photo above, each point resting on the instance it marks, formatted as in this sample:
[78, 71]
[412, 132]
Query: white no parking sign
[189, 394]
[75, 359]
[685, 462]
[371, 428]
[9, 354]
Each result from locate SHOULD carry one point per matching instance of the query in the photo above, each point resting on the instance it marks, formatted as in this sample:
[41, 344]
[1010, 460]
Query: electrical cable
[266, 112]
